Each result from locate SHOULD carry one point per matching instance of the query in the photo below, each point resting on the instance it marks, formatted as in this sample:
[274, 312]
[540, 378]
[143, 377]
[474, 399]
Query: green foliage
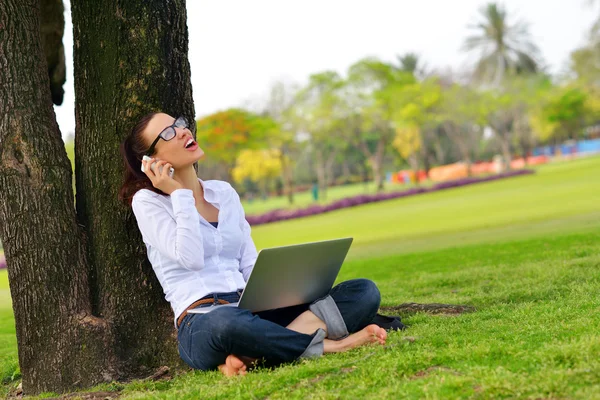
[224, 134]
[584, 64]
[562, 113]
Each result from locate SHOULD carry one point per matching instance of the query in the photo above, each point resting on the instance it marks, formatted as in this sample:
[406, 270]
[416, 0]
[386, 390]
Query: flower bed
[281, 215]
[2, 261]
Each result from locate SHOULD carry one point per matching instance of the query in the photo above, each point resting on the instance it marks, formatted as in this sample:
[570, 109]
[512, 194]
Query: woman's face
[174, 150]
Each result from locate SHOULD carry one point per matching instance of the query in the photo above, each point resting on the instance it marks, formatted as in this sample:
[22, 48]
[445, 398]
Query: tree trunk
[130, 58]
[329, 178]
[505, 144]
[378, 164]
[320, 169]
[346, 171]
[413, 161]
[52, 27]
[287, 174]
[61, 343]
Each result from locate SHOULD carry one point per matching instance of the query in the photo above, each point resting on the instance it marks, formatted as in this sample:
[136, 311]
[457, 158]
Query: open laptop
[290, 275]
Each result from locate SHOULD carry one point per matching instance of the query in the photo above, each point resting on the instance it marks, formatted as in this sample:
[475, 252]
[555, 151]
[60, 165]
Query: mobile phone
[146, 158]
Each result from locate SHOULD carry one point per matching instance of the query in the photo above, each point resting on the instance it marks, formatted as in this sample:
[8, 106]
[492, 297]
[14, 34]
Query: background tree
[259, 166]
[561, 114]
[371, 85]
[99, 313]
[415, 105]
[280, 107]
[224, 134]
[320, 108]
[462, 116]
[503, 46]
[412, 64]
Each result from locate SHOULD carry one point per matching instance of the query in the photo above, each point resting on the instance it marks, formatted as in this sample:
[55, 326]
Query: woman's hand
[161, 181]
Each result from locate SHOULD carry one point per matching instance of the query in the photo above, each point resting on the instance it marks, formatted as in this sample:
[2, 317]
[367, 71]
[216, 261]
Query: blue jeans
[205, 340]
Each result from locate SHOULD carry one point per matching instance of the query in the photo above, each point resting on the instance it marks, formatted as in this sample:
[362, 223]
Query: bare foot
[233, 366]
[370, 334]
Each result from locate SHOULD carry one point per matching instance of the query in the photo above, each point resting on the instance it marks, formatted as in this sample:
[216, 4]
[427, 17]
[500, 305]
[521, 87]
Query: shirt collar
[210, 194]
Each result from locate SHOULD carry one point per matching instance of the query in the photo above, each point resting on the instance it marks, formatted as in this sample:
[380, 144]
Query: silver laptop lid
[291, 275]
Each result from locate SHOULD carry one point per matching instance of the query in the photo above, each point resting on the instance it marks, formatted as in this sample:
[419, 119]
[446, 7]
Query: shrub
[282, 214]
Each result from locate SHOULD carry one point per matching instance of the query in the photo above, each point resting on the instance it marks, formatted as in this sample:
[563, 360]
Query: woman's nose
[181, 132]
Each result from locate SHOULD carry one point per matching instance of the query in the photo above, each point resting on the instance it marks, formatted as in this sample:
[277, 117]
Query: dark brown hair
[133, 149]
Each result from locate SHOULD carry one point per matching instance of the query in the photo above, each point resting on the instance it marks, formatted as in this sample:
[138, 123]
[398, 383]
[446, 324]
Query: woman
[198, 242]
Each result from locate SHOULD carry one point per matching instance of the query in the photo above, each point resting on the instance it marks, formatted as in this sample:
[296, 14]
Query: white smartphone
[146, 158]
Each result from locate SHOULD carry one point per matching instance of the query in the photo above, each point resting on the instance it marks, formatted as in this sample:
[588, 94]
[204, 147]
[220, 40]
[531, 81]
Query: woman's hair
[133, 149]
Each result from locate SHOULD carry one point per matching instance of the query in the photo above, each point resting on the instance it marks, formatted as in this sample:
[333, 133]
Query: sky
[238, 48]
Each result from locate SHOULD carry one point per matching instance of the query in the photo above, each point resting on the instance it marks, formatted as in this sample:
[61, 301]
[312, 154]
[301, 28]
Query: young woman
[198, 242]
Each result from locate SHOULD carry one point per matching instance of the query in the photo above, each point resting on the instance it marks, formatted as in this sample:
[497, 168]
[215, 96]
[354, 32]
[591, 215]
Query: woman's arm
[248, 252]
[179, 239]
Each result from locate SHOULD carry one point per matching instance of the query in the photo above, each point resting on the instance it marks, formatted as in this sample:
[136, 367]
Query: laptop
[290, 275]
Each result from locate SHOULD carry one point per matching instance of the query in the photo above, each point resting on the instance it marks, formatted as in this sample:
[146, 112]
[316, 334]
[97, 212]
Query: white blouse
[192, 258]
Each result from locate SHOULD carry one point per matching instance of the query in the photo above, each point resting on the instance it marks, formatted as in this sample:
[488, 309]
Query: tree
[463, 118]
[52, 26]
[320, 108]
[260, 166]
[562, 114]
[509, 109]
[415, 107]
[504, 46]
[411, 63]
[280, 106]
[88, 307]
[224, 134]
[369, 93]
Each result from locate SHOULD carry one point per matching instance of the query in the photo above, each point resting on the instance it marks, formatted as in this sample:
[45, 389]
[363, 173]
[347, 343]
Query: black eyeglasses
[168, 133]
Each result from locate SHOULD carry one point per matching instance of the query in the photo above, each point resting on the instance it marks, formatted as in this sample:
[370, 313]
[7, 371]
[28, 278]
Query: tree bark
[130, 58]
[61, 344]
[88, 307]
[52, 29]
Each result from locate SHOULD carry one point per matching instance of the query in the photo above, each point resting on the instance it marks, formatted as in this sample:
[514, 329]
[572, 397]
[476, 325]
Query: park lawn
[9, 365]
[525, 252]
[560, 198]
[534, 333]
[304, 199]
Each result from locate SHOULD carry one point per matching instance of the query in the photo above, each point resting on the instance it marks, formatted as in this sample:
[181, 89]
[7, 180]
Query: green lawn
[525, 252]
[8, 341]
[304, 199]
[559, 198]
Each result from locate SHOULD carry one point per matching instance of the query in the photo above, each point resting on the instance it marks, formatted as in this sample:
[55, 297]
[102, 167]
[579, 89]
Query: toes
[234, 362]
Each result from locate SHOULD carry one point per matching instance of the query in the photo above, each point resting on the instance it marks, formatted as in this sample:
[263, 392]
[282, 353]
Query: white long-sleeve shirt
[192, 258]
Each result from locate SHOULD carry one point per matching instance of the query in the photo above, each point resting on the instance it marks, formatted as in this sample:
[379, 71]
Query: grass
[558, 198]
[304, 199]
[9, 366]
[524, 252]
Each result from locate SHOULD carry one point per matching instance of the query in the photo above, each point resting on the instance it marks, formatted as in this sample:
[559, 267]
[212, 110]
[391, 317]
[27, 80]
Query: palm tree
[504, 47]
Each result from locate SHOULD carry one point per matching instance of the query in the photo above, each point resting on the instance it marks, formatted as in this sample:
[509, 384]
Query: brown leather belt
[198, 303]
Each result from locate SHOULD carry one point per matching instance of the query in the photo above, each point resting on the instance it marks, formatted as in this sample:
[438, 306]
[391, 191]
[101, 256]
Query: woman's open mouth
[191, 145]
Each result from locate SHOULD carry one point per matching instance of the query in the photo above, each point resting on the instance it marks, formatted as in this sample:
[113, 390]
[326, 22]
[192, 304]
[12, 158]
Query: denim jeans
[205, 340]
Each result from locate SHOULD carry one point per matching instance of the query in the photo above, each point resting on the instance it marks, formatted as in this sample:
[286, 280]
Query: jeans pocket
[184, 355]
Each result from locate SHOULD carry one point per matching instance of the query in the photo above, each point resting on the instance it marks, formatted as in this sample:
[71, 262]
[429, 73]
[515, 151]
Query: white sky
[237, 48]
